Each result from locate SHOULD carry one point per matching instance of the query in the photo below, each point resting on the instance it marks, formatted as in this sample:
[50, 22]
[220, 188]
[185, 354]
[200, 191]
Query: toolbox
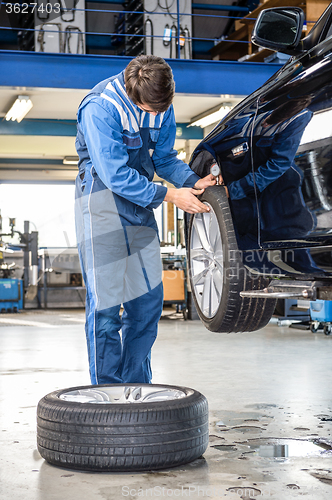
[11, 295]
[321, 310]
[321, 315]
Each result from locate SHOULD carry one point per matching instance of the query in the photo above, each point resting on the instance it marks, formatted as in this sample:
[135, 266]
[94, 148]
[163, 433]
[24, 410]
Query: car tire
[121, 427]
[216, 271]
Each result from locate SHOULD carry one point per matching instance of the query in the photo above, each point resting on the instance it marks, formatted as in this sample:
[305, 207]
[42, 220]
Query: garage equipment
[53, 26]
[148, 32]
[292, 289]
[11, 295]
[174, 282]
[292, 310]
[321, 316]
[12, 290]
[61, 285]
[50, 38]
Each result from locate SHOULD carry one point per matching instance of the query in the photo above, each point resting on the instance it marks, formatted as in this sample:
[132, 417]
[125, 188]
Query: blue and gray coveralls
[120, 148]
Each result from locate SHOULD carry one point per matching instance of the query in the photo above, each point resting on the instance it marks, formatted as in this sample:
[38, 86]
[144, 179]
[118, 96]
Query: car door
[292, 153]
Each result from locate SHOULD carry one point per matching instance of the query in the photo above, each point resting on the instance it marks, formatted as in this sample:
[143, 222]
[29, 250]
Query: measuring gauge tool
[215, 171]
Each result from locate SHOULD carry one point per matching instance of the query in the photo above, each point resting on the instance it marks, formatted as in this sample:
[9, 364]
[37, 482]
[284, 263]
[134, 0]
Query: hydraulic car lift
[293, 289]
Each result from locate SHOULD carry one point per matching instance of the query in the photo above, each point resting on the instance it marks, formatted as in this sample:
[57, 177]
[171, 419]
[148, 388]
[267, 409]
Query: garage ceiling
[62, 104]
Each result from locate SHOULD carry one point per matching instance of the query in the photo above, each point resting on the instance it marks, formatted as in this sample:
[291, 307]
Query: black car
[268, 234]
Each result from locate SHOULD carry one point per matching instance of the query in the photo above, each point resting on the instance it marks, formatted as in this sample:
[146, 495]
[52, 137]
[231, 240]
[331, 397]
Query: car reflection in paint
[275, 150]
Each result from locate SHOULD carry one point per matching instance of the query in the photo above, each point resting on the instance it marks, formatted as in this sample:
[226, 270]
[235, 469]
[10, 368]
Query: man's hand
[186, 199]
[209, 180]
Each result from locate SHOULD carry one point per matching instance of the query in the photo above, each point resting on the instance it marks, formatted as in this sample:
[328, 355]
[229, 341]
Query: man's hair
[149, 80]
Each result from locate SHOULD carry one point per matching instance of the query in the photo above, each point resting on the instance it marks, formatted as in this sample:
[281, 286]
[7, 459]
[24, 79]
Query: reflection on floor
[269, 396]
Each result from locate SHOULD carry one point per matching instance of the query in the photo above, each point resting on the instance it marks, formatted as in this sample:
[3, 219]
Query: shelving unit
[134, 28]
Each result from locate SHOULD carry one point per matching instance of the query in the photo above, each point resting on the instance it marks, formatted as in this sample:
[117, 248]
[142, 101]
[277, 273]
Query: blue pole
[178, 19]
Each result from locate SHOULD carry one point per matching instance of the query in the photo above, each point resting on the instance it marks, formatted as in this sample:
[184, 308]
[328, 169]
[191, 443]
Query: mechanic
[125, 133]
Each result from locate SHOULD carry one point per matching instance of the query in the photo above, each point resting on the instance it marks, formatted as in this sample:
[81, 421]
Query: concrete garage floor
[269, 393]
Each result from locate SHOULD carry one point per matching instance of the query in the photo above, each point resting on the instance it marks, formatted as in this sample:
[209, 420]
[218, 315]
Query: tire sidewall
[53, 398]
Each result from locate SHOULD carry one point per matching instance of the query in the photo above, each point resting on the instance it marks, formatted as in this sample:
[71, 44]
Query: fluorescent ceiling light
[70, 160]
[211, 116]
[19, 109]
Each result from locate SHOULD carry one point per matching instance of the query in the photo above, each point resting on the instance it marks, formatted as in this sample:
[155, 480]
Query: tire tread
[122, 437]
[235, 313]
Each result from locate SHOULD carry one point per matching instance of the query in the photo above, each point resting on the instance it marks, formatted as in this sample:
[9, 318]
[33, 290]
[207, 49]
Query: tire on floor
[122, 427]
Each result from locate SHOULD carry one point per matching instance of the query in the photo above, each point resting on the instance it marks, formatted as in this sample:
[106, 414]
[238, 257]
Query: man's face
[147, 109]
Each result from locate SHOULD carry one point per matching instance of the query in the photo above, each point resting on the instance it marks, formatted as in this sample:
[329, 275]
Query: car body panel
[275, 150]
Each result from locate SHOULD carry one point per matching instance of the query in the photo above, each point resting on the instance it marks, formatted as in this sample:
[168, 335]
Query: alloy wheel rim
[206, 262]
[122, 394]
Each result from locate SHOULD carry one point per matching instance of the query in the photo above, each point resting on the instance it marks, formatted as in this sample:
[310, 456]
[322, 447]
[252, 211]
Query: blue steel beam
[39, 127]
[37, 69]
[9, 162]
[185, 132]
[67, 128]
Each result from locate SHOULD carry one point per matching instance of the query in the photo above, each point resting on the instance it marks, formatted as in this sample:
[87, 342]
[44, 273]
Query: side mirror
[279, 29]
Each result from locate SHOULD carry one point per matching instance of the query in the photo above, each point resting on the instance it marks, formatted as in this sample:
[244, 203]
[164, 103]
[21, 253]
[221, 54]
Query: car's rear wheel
[216, 271]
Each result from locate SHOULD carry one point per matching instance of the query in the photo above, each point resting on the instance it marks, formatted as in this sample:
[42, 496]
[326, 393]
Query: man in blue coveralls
[126, 133]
